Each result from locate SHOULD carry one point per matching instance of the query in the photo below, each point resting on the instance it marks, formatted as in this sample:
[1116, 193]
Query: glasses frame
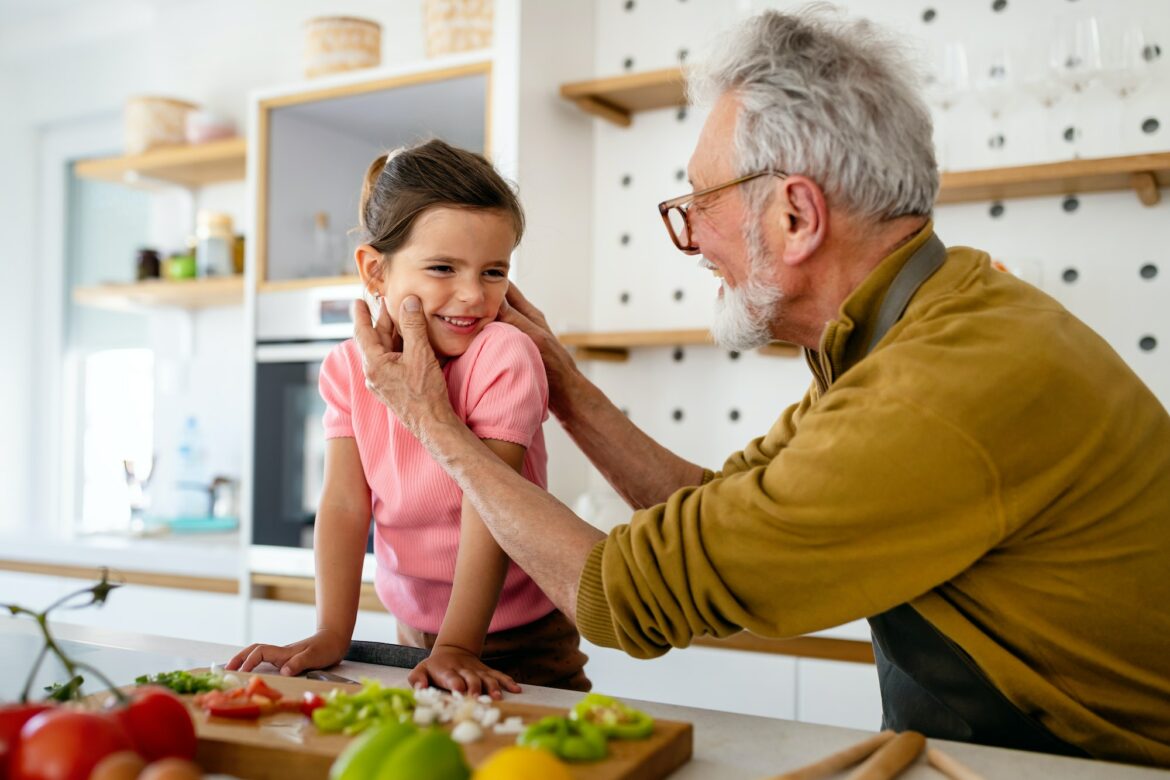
[683, 202]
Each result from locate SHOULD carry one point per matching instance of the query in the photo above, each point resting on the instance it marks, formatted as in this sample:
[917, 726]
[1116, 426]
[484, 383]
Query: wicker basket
[150, 122]
[337, 43]
[457, 25]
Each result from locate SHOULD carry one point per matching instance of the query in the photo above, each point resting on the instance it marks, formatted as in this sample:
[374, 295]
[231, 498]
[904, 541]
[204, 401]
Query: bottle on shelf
[192, 492]
[215, 243]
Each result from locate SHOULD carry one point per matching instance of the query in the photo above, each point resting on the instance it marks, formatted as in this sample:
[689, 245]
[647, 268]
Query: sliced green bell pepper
[616, 720]
[568, 739]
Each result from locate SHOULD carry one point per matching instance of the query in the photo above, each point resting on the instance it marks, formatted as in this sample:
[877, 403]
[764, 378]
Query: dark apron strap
[928, 683]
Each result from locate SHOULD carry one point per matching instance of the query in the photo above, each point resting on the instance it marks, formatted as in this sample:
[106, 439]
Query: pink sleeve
[335, 385]
[507, 396]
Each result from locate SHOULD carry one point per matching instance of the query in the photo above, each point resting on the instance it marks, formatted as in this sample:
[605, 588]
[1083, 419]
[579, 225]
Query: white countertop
[727, 746]
[193, 555]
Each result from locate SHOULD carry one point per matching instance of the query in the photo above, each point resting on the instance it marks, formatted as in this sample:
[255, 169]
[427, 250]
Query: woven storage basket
[150, 122]
[457, 25]
[337, 43]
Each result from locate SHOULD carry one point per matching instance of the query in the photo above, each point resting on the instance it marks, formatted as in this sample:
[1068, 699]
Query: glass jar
[214, 243]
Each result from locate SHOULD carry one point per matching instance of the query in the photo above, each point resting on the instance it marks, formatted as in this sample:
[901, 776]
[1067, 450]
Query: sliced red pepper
[238, 710]
[257, 687]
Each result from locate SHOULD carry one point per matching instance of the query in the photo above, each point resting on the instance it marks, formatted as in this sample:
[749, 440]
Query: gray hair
[831, 99]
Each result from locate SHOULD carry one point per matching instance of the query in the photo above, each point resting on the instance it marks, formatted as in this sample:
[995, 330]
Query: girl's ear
[369, 265]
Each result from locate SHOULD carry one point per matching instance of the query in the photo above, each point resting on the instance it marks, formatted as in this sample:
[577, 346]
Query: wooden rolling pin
[950, 766]
[843, 759]
[891, 758]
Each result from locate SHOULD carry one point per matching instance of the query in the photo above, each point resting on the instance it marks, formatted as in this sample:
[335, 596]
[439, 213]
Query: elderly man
[1010, 549]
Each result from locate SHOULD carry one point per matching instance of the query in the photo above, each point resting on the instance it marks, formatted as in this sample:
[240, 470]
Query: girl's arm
[480, 568]
[339, 546]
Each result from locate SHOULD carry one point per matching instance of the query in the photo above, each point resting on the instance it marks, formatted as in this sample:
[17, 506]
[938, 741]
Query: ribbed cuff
[594, 619]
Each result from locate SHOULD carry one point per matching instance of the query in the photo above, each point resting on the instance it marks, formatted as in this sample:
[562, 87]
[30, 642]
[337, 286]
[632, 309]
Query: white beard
[743, 316]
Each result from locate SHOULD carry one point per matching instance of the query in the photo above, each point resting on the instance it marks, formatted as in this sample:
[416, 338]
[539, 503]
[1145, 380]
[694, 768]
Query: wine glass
[1075, 58]
[1125, 67]
[946, 83]
[995, 90]
[138, 472]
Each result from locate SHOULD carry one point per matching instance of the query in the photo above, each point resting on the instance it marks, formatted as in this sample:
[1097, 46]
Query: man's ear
[369, 265]
[805, 218]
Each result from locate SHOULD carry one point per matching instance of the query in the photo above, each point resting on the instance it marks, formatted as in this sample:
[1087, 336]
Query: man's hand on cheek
[409, 382]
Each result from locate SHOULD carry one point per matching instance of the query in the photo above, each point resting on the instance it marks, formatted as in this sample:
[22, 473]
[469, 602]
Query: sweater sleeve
[335, 383]
[871, 503]
[507, 391]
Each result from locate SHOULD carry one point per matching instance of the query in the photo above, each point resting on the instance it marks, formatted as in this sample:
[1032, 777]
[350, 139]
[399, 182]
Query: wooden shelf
[186, 166]
[617, 98]
[615, 347]
[1143, 173]
[180, 294]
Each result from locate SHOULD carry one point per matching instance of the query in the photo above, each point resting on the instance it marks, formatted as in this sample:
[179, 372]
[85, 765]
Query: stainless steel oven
[294, 332]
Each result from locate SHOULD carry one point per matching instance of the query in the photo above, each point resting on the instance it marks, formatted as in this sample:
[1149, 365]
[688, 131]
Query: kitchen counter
[212, 556]
[727, 746]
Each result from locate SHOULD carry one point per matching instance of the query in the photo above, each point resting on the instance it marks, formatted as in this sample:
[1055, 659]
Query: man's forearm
[641, 470]
[537, 531]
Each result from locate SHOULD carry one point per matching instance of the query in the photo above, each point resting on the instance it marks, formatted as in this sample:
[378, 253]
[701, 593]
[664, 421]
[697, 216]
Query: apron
[928, 683]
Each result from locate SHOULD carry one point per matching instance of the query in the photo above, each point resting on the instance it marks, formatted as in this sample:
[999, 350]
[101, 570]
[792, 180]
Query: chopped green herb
[184, 682]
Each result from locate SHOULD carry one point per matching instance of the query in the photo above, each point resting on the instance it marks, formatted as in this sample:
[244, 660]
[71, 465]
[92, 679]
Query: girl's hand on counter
[457, 669]
[322, 650]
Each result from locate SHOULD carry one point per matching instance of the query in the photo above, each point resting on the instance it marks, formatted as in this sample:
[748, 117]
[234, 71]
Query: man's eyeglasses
[674, 211]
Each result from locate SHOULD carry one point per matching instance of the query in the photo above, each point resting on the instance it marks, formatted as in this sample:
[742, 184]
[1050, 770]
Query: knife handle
[891, 758]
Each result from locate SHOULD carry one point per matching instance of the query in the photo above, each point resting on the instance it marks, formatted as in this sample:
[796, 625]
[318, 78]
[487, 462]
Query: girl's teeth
[457, 322]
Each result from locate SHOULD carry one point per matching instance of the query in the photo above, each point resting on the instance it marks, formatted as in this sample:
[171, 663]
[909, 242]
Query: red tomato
[12, 718]
[158, 724]
[66, 745]
[309, 702]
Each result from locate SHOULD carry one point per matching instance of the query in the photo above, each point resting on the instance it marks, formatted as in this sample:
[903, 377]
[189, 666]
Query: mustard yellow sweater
[993, 462]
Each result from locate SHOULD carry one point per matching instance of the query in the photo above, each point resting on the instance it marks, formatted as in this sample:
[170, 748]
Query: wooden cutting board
[289, 747]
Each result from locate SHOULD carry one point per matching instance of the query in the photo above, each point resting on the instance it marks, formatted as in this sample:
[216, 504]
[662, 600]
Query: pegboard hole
[1070, 275]
[998, 5]
[1151, 125]
[678, 354]
[929, 15]
[625, 239]
[626, 411]
[1151, 52]
[682, 114]
[733, 415]
[1070, 204]
[624, 298]
[1148, 271]
[677, 415]
[680, 174]
[1148, 344]
[1071, 134]
[733, 354]
[627, 180]
[677, 295]
[629, 5]
[628, 63]
[996, 210]
[997, 141]
[682, 55]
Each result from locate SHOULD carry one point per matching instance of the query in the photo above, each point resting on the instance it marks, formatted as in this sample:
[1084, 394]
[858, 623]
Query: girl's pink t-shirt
[498, 388]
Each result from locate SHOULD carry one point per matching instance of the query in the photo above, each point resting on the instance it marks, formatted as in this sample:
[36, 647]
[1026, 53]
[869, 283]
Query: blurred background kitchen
[180, 180]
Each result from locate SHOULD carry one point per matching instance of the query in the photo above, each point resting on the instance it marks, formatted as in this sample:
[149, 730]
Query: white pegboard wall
[1117, 250]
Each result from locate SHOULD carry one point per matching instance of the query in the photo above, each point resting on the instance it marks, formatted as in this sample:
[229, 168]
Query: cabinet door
[837, 693]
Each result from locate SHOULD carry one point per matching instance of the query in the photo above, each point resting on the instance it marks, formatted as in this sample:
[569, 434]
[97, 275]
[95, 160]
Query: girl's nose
[470, 292]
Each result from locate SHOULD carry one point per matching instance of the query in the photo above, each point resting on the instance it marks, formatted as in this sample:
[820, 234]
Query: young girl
[441, 224]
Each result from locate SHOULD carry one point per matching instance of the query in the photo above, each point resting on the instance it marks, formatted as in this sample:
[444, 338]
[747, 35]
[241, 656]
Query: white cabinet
[279, 623]
[731, 680]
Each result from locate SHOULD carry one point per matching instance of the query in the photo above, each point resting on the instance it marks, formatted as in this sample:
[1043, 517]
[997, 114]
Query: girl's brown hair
[401, 185]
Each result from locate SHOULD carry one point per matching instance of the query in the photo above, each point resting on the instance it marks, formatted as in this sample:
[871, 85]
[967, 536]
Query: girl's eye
[440, 268]
[496, 273]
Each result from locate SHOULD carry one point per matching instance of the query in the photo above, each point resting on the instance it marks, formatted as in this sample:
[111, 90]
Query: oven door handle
[293, 353]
